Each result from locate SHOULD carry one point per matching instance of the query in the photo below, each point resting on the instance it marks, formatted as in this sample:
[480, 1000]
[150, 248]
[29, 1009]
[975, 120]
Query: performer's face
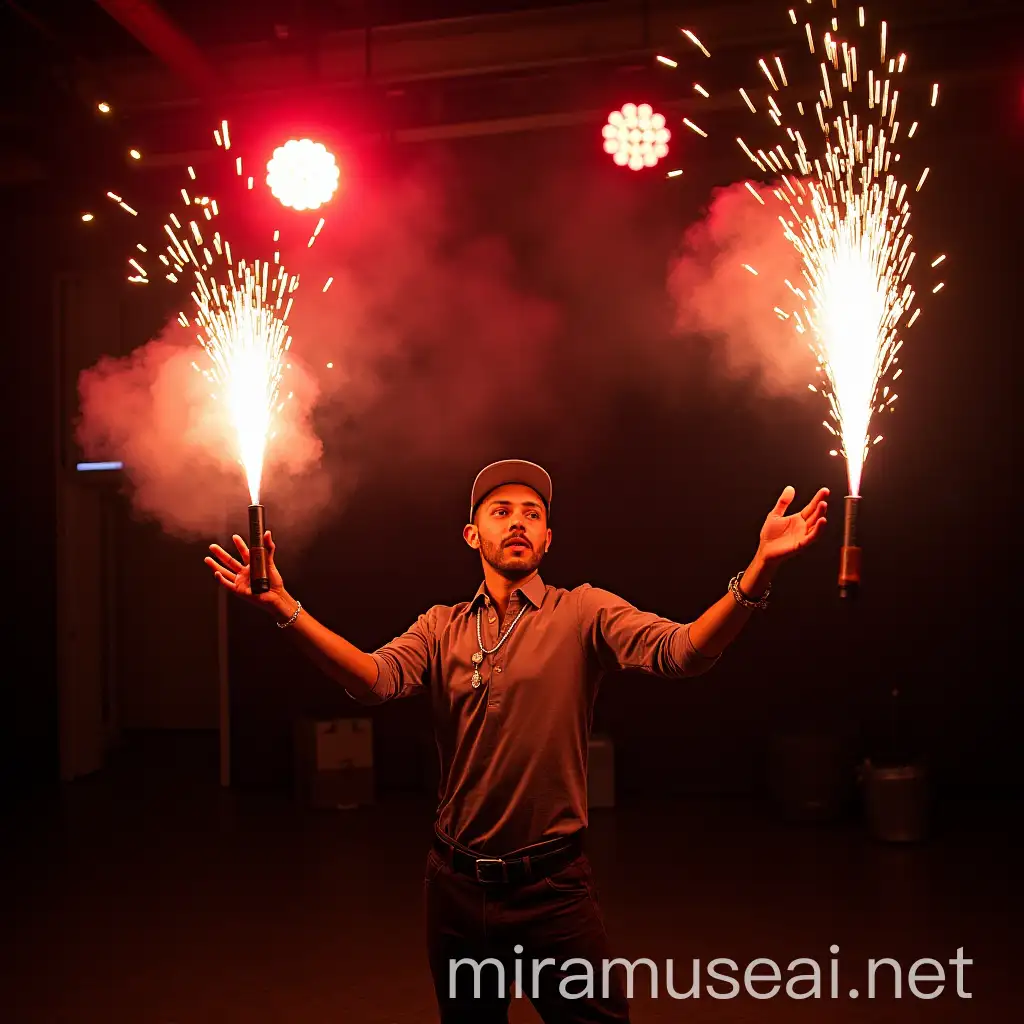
[511, 531]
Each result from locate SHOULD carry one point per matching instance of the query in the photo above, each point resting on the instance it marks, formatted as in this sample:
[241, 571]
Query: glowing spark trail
[696, 42]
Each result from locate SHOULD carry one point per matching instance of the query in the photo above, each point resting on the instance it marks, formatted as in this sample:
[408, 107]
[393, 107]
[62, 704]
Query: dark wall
[30, 748]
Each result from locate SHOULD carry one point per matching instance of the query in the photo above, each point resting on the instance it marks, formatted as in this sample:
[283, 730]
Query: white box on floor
[601, 772]
[334, 761]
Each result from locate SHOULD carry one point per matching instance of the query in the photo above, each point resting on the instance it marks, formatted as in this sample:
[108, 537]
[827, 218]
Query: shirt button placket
[497, 670]
[496, 631]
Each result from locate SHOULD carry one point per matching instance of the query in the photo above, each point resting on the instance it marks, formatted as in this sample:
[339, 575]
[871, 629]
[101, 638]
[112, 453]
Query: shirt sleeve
[403, 665]
[621, 636]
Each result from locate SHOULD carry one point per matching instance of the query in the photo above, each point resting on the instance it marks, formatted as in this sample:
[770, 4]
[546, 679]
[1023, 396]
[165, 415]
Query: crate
[334, 762]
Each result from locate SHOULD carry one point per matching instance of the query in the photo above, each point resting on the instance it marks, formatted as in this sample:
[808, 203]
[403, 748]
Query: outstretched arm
[354, 670]
[781, 537]
[724, 620]
[342, 662]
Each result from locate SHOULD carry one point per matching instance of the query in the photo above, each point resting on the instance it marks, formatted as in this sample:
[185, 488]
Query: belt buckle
[491, 860]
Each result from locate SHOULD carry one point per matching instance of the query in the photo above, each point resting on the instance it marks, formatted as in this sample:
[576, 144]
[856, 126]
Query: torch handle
[259, 577]
[849, 555]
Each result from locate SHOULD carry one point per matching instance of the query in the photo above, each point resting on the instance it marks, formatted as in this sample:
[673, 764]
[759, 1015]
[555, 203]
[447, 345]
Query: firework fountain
[843, 181]
[245, 337]
[240, 308]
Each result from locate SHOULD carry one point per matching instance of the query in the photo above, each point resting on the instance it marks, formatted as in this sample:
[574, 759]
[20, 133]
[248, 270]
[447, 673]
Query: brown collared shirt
[513, 751]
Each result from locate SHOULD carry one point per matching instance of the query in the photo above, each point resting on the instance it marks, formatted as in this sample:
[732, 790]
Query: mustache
[517, 540]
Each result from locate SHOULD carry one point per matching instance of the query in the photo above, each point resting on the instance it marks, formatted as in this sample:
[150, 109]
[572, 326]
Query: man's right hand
[234, 575]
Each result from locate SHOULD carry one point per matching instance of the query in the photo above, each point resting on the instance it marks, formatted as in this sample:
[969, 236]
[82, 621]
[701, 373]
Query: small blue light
[88, 467]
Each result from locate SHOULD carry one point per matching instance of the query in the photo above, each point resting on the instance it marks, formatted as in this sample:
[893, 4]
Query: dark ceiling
[91, 31]
[513, 65]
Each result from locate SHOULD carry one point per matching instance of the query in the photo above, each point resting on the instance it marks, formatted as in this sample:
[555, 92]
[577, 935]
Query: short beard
[513, 569]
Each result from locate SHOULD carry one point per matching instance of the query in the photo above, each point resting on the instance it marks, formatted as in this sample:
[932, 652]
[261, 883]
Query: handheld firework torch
[849, 554]
[259, 578]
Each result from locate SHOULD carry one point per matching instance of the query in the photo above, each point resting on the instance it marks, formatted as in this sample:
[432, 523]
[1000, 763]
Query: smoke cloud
[445, 340]
[154, 412]
[423, 343]
[714, 295]
[423, 308]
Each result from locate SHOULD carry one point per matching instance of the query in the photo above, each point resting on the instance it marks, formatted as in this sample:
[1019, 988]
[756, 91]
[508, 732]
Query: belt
[530, 864]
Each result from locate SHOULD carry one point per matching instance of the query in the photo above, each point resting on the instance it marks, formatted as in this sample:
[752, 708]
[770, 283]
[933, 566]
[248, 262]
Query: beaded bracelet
[295, 615]
[742, 599]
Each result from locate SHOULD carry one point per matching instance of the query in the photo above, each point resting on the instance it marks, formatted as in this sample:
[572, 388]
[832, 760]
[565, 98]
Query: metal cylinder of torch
[259, 579]
[849, 555]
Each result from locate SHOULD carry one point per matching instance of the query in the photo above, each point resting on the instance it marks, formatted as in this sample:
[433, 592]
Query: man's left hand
[783, 536]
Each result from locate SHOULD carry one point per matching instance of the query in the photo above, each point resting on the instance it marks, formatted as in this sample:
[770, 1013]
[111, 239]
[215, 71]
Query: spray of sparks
[241, 311]
[846, 213]
[245, 335]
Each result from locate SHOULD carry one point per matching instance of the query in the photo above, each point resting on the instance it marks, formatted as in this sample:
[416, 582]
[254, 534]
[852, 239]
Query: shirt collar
[533, 592]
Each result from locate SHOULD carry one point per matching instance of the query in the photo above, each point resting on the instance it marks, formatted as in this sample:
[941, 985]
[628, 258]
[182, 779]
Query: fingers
[268, 546]
[815, 531]
[813, 514]
[226, 576]
[225, 582]
[787, 495]
[243, 548]
[816, 504]
[224, 558]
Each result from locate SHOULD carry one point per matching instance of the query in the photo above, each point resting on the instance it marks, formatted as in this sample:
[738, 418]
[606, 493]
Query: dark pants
[555, 918]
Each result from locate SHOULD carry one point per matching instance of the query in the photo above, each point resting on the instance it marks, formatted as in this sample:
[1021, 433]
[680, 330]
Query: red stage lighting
[636, 136]
[302, 174]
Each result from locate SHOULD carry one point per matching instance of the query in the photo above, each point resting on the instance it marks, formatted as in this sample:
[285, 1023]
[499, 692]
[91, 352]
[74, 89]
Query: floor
[137, 900]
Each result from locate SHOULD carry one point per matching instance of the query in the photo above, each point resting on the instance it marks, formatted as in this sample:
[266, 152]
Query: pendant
[476, 679]
[477, 657]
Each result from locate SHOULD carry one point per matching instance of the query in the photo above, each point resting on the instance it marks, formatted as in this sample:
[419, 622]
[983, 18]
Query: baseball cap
[510, 471]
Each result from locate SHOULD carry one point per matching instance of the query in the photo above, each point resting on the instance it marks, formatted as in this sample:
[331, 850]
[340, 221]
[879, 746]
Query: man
[512, 675]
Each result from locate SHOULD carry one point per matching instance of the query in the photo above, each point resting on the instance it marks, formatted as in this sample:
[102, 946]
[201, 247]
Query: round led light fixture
[302, 174]
[636, 136]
